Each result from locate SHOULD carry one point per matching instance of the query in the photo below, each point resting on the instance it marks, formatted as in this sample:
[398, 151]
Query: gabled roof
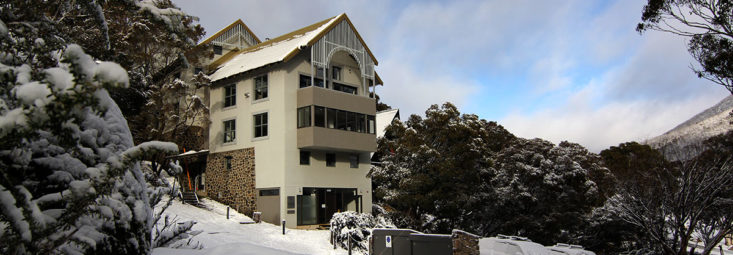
[235, 23]
[384, 118]
[279, 49]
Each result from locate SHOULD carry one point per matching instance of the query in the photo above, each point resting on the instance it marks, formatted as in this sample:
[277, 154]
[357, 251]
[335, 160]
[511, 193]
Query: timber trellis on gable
[342, 38]
[237, 37]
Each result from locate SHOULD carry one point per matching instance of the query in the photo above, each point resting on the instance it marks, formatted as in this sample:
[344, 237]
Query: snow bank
[219, 235]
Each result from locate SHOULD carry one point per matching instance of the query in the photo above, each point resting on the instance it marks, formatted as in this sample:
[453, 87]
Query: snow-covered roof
[271, 51]
[494, 245]
[384, 118]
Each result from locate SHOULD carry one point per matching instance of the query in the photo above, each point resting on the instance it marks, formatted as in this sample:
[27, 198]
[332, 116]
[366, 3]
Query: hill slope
[682, 142]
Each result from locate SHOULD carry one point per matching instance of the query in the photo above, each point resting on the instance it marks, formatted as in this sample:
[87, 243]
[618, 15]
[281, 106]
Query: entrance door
[318, 205]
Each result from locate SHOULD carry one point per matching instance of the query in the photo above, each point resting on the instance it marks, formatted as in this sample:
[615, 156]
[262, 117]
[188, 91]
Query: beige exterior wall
[277, 161]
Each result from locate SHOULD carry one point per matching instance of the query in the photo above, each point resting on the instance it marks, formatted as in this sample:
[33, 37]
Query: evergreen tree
[70, 178]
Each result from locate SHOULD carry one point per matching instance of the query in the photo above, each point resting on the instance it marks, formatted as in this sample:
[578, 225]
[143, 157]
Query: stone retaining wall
[234, 187]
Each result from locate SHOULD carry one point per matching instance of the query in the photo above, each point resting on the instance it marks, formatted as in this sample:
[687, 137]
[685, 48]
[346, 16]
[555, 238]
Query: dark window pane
[305, 157]
[228, 163]
[331, 117]
[319, 82]
[330, 159]
[291, 202]
[217, 49]
[351, 121]
[336, 73]
[230, 95]
[341, 120]
[261, 87]
[344, 88]
[304, 117]
[269, 192]
[229, 131]
[305, 81]
[260, 125]
[320, 116]
[361, 123]
[354, 161]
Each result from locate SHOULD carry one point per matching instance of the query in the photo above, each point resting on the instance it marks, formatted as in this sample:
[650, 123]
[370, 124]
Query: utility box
[408, 242]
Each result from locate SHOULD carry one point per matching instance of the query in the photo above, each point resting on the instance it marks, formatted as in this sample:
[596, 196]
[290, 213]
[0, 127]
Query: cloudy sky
[558, 70]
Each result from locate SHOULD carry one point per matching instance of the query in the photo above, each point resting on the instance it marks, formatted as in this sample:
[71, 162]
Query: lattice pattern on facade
[342, 37]
[237, 36]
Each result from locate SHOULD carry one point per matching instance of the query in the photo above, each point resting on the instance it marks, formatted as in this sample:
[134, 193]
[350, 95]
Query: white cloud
[414, 92]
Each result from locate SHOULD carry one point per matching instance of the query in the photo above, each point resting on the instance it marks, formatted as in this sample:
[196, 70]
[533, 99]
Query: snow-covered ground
[221, 236]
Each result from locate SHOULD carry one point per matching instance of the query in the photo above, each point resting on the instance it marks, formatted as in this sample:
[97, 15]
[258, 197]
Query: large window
[304, 117]
[336, 119]
[229, 131]
[230, 95]
[260, 124]
[260, 87]
[305, 157]
[320, 116]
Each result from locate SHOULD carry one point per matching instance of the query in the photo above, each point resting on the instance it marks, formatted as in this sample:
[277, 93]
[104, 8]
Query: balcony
[319, 138]
[336, 99]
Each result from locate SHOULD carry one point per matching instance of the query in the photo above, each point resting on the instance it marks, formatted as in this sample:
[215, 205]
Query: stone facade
[465, 243]
[234, 187]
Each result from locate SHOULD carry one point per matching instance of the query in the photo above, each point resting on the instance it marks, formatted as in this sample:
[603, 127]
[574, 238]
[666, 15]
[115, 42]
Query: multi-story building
[292, 122]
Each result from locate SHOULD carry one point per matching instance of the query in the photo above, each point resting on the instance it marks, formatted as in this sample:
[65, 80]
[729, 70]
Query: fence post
[283, 226]
[227, 212]
[349, 244]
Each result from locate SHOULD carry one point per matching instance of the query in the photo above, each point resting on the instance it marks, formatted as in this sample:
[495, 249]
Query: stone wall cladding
[235, 187]
[465, 243]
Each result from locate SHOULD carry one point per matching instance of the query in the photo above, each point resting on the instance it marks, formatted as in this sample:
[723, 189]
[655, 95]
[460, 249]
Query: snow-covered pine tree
[435, 171]
[547, 192]
[70, 180]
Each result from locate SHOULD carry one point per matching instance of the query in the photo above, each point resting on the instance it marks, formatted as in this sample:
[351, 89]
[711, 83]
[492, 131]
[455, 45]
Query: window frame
[259, 93]
[228, 163]
[307, 115]
[304, 79]
[230, 133]
[231, 99]
[262, 126]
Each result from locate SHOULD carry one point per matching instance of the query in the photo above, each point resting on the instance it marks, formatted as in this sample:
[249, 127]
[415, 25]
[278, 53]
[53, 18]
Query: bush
[358, 226]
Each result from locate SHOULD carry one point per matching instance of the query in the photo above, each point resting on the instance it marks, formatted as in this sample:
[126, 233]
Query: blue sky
[558, 70]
